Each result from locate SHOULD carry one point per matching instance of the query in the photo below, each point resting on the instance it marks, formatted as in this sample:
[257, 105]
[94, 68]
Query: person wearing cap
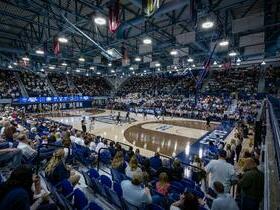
[220, 171]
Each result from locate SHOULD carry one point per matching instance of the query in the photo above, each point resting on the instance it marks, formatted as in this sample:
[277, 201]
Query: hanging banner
[114, 20]
[150, 6]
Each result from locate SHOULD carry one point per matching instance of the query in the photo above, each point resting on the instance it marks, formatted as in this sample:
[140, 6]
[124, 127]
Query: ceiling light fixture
[137, 59]
[42, 70]
[87, 74]
[100, 20]
[157, 64]
[40, 52]
[67, 72]
[147, 41]
[224, 43]
[10, 66]
[190, 60]
[232, 54]
[207, 24]
[25, 58]
[98, 73]
[110, 64]
[78, 70]
[64, 64]
[62, 40]
[263, 62]
[113, 71]
[131, 68]
[92, 68]
[81, 59]
[215, 63]
[193, 65]
[51, 67]
[238, 60]
[15, 63]
[173, 52]
[238, 64]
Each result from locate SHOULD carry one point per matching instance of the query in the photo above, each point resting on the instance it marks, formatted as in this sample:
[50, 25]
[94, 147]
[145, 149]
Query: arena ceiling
[252, 28]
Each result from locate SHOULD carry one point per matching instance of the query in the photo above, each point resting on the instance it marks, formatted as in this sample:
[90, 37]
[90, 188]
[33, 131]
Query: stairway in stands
[21, 86]
[51, 86]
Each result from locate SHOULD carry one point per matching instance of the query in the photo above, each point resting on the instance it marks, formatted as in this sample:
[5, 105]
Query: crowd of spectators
[9, 87]
[234, 80]
[272, 79]
[36, 85]
[60, 84]
[157, 85]
[92, 86]
[142, 180]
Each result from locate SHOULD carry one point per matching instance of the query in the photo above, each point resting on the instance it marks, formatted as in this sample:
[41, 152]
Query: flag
[56, 46]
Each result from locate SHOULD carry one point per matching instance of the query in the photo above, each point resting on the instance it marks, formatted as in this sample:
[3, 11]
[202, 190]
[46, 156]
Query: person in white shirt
[78, 140]
[133, 168]
[220, 171]
[25, 146]
[100, 145]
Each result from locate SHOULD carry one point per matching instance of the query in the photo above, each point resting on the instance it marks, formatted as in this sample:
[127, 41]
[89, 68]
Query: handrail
[276, 134]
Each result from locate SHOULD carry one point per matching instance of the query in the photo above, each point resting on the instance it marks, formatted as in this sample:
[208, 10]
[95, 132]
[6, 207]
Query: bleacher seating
[9, 87]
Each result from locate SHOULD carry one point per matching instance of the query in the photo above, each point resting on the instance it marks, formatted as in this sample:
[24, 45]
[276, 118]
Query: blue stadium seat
[93, 173]
[155, 207]
[118, 176]
[106, 181]
[80, 200]
[114, 198]
[93, 206]
[66, 187]
[129, 206]
[118, 189]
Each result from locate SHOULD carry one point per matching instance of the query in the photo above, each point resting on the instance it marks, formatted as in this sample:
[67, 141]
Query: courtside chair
[106, 181]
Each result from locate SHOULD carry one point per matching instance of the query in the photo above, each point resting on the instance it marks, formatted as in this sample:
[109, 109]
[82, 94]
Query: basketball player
[92, 123]
[118, 119]
[83, 123]
[208, 121]
[127, 118]
[144, 114]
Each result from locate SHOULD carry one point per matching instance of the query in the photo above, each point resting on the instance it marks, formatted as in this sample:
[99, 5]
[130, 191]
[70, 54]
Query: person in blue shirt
[134, 193]
[155, 161]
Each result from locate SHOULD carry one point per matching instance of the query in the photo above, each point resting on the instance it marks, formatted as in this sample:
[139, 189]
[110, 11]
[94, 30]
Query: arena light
[92, 68]
[10, 66]
[51, 67]
[98, 73]
[100, 20]
[158, 69]
[81, 59]
[133, 72]
[238, 64]
[190, 60]
[207, 24]
[78, 70]
[62, 40]
[175, 67]
[193, 65]
[15, 63]
[67, 72]
[157, 64]
[138, 59]
[25, 58]
[224, 43]
[42, 70]
[232, 53]
[263, 62]
[40, 52]
[131, 68]
[173, 52]
[113, 71]
[110, 64]
[87, 74]
[215, 63]
[220, 66]
[147, 41]
[238, 60]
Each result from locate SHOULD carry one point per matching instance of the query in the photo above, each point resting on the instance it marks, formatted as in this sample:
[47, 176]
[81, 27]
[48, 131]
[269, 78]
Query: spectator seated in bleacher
[134, 193]
[9, 87]
[56, 170]
[133, 168]
[17, 192]
[187, 201]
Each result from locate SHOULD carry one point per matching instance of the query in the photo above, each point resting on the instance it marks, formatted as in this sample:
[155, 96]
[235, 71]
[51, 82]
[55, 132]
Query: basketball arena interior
[139, 104]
